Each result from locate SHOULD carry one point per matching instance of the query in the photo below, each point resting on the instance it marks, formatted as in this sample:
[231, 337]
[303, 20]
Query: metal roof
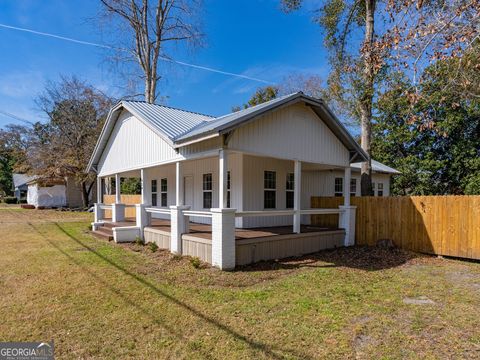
[178, 127]
[21, 179]
[377, 167]
[170, 121]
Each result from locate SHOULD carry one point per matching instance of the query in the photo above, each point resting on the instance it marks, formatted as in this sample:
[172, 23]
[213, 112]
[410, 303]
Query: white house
[255, 168]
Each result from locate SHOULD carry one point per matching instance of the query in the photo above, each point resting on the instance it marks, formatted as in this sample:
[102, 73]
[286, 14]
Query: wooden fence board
[127, 200]
[442, 225]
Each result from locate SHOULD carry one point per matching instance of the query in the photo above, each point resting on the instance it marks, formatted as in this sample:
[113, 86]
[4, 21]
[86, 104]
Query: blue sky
[253, 37]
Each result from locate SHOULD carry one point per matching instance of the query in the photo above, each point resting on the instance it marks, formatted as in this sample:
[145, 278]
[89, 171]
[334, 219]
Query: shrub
[152, 246]
[138, 240]
[195, 261]
[10, 200]
[22, 201]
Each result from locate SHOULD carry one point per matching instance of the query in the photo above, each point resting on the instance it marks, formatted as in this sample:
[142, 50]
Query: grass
[101, 300]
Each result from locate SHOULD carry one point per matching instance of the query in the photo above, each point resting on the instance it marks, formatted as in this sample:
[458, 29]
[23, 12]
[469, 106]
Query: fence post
[223, 238]
[178, 226]
[346, 220]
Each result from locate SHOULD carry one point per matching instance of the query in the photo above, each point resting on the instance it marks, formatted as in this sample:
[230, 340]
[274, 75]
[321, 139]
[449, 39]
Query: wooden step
[103, 233]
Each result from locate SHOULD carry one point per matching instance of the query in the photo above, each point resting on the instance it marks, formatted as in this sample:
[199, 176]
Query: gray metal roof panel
[170, 121]
[377, 167]
[21, 179]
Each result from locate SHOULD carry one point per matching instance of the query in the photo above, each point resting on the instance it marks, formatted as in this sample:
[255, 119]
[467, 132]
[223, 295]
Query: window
[290, 188]
[154, 192]
[270, 189]
[228, 190]
[373, 188]
[207, 191]
[353, 187]
[163, 192]
[338, 186]
[380, 189]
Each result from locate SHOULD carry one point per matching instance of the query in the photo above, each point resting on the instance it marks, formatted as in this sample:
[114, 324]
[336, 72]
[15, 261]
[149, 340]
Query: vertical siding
[133, 145]
[294, 132]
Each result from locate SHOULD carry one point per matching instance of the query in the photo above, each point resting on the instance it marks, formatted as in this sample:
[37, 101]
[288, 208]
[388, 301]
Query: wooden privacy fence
[441, 225]
[127, 200]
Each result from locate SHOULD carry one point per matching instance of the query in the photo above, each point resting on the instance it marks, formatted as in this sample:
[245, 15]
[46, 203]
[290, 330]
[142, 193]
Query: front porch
[228, 210]
[251, 245]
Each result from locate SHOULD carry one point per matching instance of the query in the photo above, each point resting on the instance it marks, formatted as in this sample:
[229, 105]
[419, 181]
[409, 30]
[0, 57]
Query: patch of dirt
[422, 300]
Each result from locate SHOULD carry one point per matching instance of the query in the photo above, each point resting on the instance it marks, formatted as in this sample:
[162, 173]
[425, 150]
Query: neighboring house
[258, 167]
[52, 193]
[20, 187]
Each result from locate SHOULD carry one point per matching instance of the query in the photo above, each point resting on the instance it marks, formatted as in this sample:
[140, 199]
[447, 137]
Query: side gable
[132, 145]
[292, 132]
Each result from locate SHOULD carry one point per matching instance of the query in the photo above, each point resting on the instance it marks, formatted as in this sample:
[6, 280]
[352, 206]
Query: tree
[412, 33]
[148, 27]
[261, 95]
[62, 147]
[440, 152]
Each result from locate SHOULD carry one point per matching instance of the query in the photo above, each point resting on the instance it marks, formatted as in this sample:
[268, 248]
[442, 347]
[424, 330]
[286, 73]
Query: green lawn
[100, 300]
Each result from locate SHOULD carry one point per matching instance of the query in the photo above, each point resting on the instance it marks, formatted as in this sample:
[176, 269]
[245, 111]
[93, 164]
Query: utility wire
[16, 117]
[88, 43]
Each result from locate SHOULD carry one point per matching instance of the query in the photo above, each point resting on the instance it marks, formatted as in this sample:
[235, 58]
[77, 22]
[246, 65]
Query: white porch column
[222, 178]
[99, 190]
[178, 226]
[297, 195]
[223, 238]
[142, 217]
[179, 197]
[346, 186]
[118, 199]
[346, 220]
[118, 209]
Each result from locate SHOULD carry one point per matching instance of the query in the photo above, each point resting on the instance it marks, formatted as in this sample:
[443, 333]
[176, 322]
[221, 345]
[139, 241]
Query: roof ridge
[171, 107]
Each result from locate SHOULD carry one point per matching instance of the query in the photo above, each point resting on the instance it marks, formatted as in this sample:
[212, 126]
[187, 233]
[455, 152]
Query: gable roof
[179, 127]
[21, 179]
[378, 167]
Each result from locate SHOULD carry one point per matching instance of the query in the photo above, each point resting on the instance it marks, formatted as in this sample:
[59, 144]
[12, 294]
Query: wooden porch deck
[204, 231]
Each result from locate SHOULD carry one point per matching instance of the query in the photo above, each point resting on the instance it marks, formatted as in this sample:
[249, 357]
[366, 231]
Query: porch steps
[104, 232]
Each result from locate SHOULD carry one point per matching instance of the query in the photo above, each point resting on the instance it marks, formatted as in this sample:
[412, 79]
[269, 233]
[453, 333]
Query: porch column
[118, 209]
[179, 198]
[118, 199]
[142, 217]
[222, 178]
[99, 190]
[223, 238]
[346, 186]
[297, 194]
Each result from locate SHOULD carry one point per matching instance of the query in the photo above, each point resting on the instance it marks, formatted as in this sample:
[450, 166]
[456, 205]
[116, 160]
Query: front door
[188, 190]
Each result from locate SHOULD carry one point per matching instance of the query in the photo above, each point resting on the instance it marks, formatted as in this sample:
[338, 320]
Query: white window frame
[164, 192]
[204, 191]
[353, 187]
[290, 179]
[154, 192]
[229, 195]
[380, 189]
[335, 192]
[265, 189]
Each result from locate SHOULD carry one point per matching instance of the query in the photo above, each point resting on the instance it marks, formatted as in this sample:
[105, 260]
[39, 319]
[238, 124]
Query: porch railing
[157, 210]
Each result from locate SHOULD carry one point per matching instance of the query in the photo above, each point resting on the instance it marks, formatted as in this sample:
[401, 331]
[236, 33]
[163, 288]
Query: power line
[88, 43]
[16, 117]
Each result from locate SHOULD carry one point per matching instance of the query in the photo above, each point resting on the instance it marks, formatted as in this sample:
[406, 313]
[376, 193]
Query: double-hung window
[163, 192]
[269, 189]
[290, 190]
[380, 189]
[338, 186]
[154, 192]
[207, 191]
[228, 190]
[353, 187]
[373, 189]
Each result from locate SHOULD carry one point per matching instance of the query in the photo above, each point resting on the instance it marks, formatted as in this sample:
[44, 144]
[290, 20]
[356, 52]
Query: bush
[138, 240]
[195, 261]
[10, 200]
[22, 201]
[152, 246]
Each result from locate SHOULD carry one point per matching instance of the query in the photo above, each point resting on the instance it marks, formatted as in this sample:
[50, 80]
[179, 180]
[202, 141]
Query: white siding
[294, 132]
[132, 145]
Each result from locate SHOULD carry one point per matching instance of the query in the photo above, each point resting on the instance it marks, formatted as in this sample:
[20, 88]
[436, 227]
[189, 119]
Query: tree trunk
[86, 191]
[367, 98]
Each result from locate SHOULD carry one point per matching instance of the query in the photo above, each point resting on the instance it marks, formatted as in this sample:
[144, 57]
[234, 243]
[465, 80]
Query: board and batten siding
[132, 145]
[293, 132]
